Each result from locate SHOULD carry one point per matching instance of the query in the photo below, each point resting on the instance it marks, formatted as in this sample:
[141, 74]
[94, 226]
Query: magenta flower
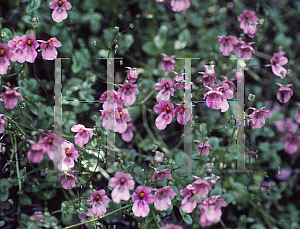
[215, 99]
[180, 5]
[213, 179]
[37, 216]
[297, 115]
[6, 54]
[83, 135]
[141, 198]
[17, 51]
[238, 45]
[68, 179]
[227, 43]
[159, 156]
[109, 119]
[172, 226]
[165, 88]
[225, 89]
[251, 29]
[112, 100]
[245, 18]
[208, 75]
[97, 199]
[29, 46]
[211, 212]
[127, 93]
[229, 83]
[209, 167]
[188, 204]
[284, 93]
[291, 143]
[178, 80]
[52, 142]
[286, 126]
[132, 74]
[257, 119]
[168, 63]
[36, 152]
[203, 149]
[277, 61]
[11, 97]
[2, 123]
[48, 48]
[124, 117]
[69, 154]
[184, 114]
[245, 51]
[167, 113]
[122, 183]
[162, 199]
[239, 75]
[161, 175]
[284, 174]
[128, 135]
[201, 186]
[60, 8]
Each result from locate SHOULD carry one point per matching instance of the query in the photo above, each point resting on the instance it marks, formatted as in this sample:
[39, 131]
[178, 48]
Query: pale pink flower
[162, 199]
[208, 75]
[215, 99]
[180, 5]
[239, 75]
[245, 51]
[227, 43]
[168, 63]
[127, 93]
[2, 123]
[203, 149]
[172, 226]
[49, 51]
[159, 156]
[257, 119]
[132, 74]
[97, 199]
[69, 154]
[284, 174]
[29, 46]
[52, 142]
[238, 45]
[37, 216]
[6, 54]
[291, 143]
[245, 18]
[121, 122]
[83, 134]
[184, 114]
[122, 183]
[128, 135]
[36, 152]
[165, 88]
[284, 93]
[112, 100]
[68, 179]
[17, 51]
[201, 186]
[229, 83]
[161, 175]
[226, 90]
[167, 113]
[251, 29]
[277, 61]
[11, 97]
[286, 125]
[60, 8]
[188, 204]
[178, 80]
[141, 198]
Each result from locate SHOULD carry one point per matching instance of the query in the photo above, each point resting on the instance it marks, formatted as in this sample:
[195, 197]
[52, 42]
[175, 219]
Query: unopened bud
[35, 20]
[251, 97]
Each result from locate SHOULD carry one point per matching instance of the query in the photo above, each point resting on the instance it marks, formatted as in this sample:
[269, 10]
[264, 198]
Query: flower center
[29, 42]
[111, 95]
[49, 41]
[183, 107]
[275, 59]
[221, 90]
[68, 151]
[167, 108]
[192, 192]
[37, 218]
[50, 141]
[127, 87]
[122, 180]
[142, 194]
[98, 197]
[227, 38]
[59, 3]
[2, 52]
[247, 16]
[167, 86]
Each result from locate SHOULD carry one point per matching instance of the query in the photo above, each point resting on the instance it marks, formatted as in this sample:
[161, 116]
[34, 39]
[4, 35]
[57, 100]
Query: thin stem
[15, 124]
[154, 217]
[145, 226]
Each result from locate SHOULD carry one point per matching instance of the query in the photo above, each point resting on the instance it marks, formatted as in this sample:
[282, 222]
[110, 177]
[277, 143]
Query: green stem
[100, 217]
[34, 71]
[145, 226]
[154, 217]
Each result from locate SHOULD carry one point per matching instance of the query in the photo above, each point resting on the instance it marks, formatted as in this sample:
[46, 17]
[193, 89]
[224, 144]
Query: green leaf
[34, 4]
[149, 48]
[227, 197]
[50, 222]
[95, 22]
[216, 191]
[183, 39]
[185, 216]
[32, 225]
[2, 223]
[6, 35]
[25, 200]
[161, 38]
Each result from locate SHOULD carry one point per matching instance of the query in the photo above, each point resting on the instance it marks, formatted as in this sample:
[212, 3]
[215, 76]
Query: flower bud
[35, 20]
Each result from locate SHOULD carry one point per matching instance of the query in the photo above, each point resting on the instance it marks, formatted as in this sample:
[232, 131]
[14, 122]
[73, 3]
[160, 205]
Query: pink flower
[48, 48]
[52, 143]
[213, 179]
[82, 217]
[166, 111]
[168, 63]
[245, 18]
[257, 119]
[251, 29]
[229, 83]
[284, 174]
[127, 93]
[209, 167]
[60, 8]
[178, 80]
[172, 226]
[68, 179]
[122, 183]
[128, 135]
[97, 200]
[109, 119]
[227, 43]
[132, 74]
[203, 149]
[29, 46]
[245, 51]
[38, 216]
[17, 51]
[158, 157]
[11, 97]
[297, 115]
[6, 54]
[166, 89]
[69, 154]
[188, 204]
[208, 75]
[83, 135]
[180, 5]
[2, 123]
[211, 212]
[184, 114]
[239, 75]
[277, 61]
[36, 152]
[124, 117]
[287, 126]
[161, 175]
[201, 186]
[216, 99]
[112, 100]
[291, 143]
[284, 93]
[238, 45]
[141, 198]
[162, 200]
[225, 89]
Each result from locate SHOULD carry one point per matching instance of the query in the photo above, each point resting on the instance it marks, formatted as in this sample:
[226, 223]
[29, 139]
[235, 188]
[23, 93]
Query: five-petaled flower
[141, 198]
[165, 88]
[68, 179]
[5, 55]
[127, 92]
[29, 45]
[97, 199]
[184, 114]
[69, 154]
[36, 152]
[38, 216]
[11, 97]
[167, 113]
[128, 135]
[245, 18]
[215, 99]
[227, 43]
[122, 183]
[83, 134]
[161, 175]
[52, 143]
[60, 8]
[132, 75]
[17, 51]
[189, 202]
[48, 48]
[162, 199]
[256, 118]
[277, 61]
[168, 63]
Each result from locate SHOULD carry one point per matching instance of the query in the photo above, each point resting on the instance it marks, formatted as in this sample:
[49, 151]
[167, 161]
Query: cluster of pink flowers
[114, 115]
[178, 5]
